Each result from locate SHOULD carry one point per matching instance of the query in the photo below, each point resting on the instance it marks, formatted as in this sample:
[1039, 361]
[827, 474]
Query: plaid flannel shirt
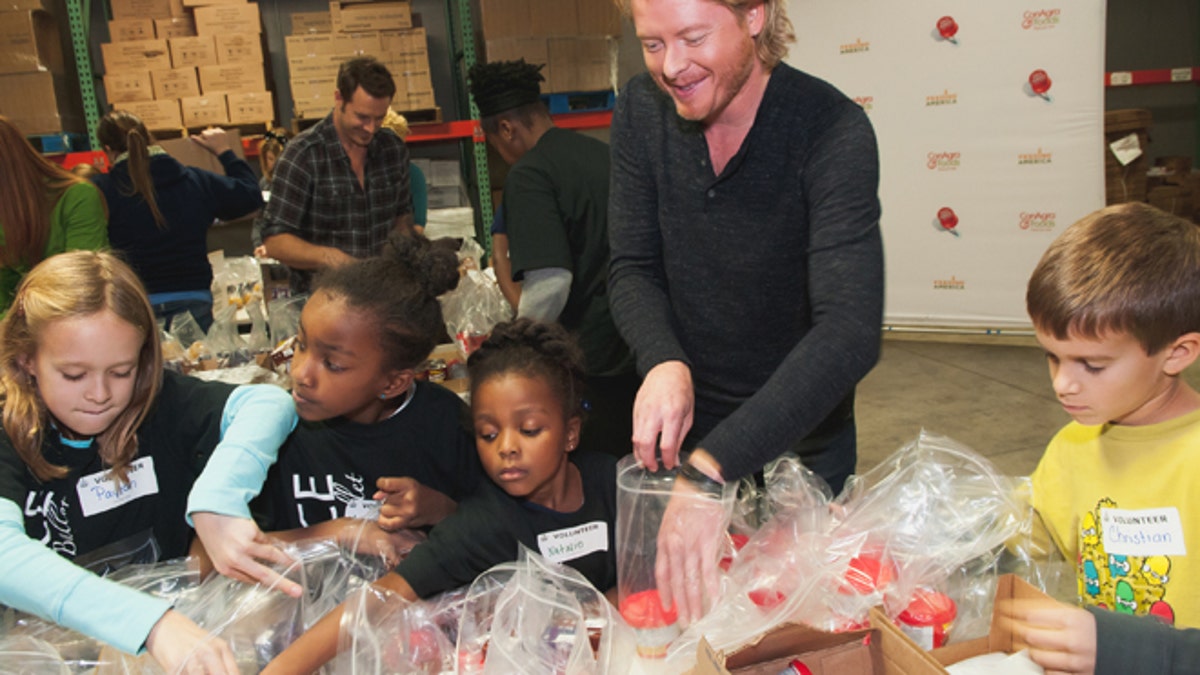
[316, 196]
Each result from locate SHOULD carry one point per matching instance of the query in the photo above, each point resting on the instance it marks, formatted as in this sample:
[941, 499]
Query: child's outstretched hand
[1061, 638]
[180, 646]
[407, 503]
[238, 549]
[368, 538]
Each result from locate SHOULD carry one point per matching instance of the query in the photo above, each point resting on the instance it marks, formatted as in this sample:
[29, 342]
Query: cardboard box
[581, 64]
[219, 19]
[156, 114]
[205, 3]
[240, 48]
[128, 85]
[147, 9]
[251, 107]
[175, 83]
[30, 43]
[123, 30]
[598, 18]
[553, 18]
[41, 103]
[501, 19]
[311, 22]
[136, 55]
[313, 97]
[205, 110]
[313, 67]
[881, 649]
[411, 41]
[21, 5]
[232, 77]
[174, 27]
[192, 52]
[533, 49]
[190, 154]
[548, 18]
[369, 16]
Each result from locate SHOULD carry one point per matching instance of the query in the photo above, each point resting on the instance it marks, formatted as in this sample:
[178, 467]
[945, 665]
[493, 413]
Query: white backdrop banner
[990, 120]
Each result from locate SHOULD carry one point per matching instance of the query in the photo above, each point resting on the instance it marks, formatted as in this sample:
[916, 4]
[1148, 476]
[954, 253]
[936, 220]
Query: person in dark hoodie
[160, 211]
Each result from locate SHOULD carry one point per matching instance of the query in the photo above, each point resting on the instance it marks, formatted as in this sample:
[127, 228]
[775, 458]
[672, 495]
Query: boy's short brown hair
[1128, 268]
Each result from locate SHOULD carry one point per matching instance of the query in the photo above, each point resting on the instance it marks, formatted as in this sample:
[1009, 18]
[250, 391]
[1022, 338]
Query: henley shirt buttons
[712, 193]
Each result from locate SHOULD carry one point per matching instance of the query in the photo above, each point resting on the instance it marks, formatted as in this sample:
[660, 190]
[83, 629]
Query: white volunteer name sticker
[574, 542]
[1144, 532]
[101, 492]
[365, 509]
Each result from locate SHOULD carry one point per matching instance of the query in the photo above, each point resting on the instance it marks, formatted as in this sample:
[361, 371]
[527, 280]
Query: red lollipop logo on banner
[1039, 83]
[948, 220]
[947, 27]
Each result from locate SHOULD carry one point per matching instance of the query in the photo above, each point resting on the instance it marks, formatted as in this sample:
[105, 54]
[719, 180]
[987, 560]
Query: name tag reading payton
[1145, 532]
[101, 492]
[365, 509]
[574, 542]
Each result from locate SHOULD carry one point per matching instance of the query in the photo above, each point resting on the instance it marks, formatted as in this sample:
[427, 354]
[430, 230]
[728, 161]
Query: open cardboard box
[999, 639]
[881, 650]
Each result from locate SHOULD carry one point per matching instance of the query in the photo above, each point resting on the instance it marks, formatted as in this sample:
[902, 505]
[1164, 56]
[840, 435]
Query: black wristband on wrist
[691, 474]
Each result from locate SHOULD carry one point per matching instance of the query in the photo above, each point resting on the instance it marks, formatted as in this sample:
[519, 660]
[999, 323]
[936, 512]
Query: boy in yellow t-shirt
[1115, 302]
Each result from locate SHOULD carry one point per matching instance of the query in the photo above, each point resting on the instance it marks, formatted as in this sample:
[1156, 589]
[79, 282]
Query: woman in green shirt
[44, 210]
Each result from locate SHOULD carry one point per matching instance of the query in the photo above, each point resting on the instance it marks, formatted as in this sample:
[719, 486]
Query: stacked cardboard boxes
[576, 39]
[187, 63]
[320, 42]
[35, 90]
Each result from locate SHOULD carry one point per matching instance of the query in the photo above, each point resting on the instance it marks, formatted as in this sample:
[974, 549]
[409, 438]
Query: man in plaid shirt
[340, 187]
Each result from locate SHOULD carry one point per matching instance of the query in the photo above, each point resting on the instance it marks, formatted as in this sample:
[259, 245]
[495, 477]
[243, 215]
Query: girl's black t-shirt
[88, 517]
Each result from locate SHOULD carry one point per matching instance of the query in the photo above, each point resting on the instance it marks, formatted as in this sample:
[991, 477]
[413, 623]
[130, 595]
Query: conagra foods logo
[856, 47]
[1039, 157]
[943, 161]
[944, 98]
[1037, 221]
[1040, 19]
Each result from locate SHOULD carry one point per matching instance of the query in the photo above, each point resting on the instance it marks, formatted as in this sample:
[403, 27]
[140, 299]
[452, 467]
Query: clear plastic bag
[535, 616]
[382, 632]
[24, 655]
[473, 308]
[933, 510]
[283, 317]
[643, 498]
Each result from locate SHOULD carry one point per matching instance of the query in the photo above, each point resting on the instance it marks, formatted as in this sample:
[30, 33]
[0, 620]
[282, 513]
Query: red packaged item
[928, 618]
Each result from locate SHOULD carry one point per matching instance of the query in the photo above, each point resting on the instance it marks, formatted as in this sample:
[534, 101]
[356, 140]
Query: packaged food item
[928, 618]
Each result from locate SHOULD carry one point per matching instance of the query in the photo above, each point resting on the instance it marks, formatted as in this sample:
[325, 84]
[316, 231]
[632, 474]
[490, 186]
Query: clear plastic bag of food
[382, 632]
[473, 308]
[536, 616]
[643, 498]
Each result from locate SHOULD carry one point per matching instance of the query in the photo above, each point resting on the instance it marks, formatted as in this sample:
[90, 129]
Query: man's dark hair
[501, 86]
[368, 73]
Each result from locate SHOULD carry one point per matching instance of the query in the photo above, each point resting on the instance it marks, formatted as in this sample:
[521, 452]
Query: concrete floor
[995, 397]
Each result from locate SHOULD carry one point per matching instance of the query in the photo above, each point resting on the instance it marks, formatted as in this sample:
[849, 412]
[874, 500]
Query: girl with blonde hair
[44, 209]
[103, 450]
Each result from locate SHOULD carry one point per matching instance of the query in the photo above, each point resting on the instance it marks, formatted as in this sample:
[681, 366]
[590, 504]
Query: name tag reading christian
[1145, 532]
[574, 542]
[102, 492]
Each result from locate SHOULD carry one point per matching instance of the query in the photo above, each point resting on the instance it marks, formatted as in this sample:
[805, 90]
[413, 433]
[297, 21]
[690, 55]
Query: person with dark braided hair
[556, 228]
[373, 443]
[544, 493]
